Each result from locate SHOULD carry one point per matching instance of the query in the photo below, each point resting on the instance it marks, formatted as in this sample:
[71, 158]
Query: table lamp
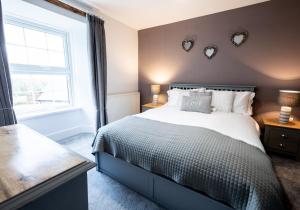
[155, 90]
[287, 99]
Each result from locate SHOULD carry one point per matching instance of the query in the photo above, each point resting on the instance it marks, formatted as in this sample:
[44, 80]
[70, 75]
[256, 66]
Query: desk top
[29, 160]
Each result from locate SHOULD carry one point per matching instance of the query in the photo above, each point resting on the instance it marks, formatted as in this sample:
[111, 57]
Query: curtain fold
[7, 115]
[97, 48]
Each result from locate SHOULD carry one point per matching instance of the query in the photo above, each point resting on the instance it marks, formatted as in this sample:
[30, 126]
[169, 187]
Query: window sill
[45, 114]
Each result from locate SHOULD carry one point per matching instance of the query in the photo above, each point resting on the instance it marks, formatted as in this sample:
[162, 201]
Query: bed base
[160, 190]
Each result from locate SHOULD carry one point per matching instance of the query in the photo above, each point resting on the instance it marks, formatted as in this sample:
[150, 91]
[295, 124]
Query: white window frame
[45, 70]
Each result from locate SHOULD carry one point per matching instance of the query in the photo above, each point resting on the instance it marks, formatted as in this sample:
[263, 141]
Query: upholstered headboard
[213, 87]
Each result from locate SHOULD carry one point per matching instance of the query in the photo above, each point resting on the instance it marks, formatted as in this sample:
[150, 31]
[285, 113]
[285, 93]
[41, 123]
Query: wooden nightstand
[282, 138]
[146, 107]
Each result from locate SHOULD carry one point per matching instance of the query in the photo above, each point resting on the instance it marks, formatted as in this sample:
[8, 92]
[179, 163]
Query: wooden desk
[38, 173]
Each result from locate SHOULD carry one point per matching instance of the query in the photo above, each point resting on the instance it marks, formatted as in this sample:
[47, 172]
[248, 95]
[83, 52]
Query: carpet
[105, 193]
[288, 173]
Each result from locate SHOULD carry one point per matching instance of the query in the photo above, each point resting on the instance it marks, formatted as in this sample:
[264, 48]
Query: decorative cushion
[199, 93]
[197, 102]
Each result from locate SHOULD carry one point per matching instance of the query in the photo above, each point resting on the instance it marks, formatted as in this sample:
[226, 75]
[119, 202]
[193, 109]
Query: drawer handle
[284, 136]
[281, 146]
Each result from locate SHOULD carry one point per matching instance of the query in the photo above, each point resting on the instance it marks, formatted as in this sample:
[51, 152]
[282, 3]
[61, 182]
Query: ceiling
[140, 14]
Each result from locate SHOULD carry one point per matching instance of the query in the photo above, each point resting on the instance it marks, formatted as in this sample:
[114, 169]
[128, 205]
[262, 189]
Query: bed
[187, 160]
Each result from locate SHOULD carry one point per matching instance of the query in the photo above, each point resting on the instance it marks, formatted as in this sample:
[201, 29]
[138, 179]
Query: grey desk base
[70, 195]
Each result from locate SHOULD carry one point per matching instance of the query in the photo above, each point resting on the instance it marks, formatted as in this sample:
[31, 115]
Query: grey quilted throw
[225, 169]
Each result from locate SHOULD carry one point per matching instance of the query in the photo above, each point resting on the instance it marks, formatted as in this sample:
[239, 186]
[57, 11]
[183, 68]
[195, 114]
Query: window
[39, 64]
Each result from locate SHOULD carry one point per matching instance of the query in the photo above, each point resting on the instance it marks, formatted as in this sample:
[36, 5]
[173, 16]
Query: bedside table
[146, 107]
[282, 138]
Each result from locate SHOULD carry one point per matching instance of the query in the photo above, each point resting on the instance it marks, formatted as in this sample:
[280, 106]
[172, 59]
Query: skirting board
[62, 134]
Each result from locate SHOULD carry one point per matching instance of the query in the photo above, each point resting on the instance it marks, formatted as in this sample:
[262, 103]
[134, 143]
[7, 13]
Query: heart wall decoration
[239, 38]
[187, 44]
[210, 51]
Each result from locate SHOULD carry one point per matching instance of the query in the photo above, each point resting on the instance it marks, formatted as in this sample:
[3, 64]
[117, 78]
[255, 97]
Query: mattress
[238, 126]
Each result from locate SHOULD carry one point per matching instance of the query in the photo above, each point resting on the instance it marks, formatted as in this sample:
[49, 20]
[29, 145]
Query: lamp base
[155, 99]
[285, 113]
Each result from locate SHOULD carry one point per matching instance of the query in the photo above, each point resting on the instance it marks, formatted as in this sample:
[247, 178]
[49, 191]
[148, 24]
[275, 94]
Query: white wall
[122, 52]
[122, 68]
[122, 57]
[129, 102]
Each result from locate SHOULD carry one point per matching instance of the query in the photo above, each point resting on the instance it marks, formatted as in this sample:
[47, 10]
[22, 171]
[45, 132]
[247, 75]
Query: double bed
[190, 160]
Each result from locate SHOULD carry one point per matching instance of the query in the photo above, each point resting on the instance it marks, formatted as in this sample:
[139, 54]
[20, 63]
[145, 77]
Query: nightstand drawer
[284, 140]
[284, 146]
[285, 134]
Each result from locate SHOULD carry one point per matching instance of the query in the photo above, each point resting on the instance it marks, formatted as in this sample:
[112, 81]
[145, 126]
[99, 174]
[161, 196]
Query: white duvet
[237, 126]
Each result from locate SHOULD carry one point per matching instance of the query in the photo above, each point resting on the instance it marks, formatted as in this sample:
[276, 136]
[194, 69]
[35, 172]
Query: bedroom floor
[104, 192]
[107, 194]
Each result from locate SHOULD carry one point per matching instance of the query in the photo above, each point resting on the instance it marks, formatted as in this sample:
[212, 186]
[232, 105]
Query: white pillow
[175, 95]
[250, 108]
[222, 101]
[201, 90]
[243, 102]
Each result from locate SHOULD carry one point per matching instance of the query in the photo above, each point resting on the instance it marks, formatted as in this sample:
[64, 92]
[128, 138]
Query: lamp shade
[289, 98]
[155, 89]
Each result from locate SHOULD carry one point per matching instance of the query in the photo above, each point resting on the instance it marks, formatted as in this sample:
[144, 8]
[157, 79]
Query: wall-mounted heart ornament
[187, 44]
[239, 38]
[210, 51]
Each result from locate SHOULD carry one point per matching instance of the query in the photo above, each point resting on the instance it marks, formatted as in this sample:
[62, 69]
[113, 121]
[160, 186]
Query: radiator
[123, 104]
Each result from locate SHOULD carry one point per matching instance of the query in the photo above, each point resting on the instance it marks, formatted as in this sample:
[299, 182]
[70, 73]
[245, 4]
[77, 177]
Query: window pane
[37, 57]
[55, 42]
[14, 34]
[35, 38]
[56, 59]
[39, 92]
[16, 54]
[35, 47]
[35, 89]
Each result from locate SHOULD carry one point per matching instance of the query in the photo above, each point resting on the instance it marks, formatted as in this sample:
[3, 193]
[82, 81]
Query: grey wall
[270, 59]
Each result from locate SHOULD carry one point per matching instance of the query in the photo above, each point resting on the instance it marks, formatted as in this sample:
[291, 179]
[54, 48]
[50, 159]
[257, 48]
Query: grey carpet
[107, 194]
[288, 173]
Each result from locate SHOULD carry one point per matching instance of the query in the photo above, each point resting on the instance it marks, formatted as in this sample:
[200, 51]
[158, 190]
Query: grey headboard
[213, 87]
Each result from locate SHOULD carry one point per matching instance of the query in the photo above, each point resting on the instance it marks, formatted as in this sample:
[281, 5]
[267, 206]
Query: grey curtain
[7, 115]
[97, 48]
